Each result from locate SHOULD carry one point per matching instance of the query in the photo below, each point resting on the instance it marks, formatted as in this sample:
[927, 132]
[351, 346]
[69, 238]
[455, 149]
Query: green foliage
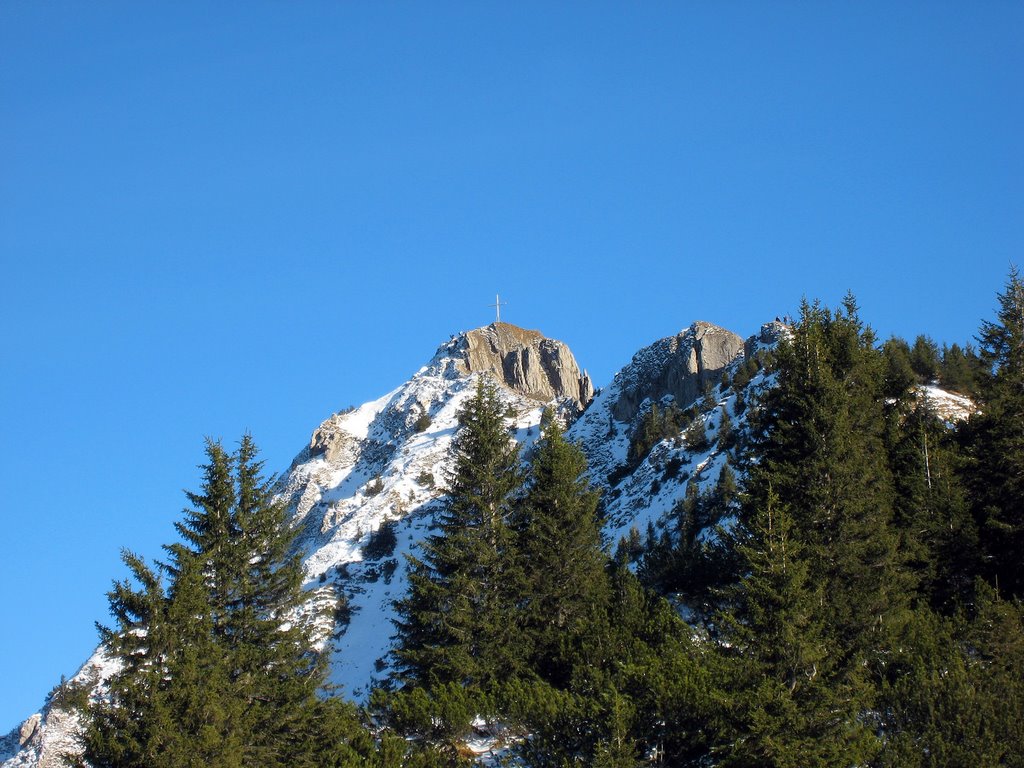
[744, 373]
[821, 449]
[952, 693]
[688, 560]
[900, 375]
[558, 552]
[382, 542]
[422, 423]
[374, 487]
[925, 359]
[930, 512]
[69, 695]
[452, 625]
[725, 437]
[657, 424]
[696, 436]
[218, 662]
[792, 702]
[994, 439]
[962, 369]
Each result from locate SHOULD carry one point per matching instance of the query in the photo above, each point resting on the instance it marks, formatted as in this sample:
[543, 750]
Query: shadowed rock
[679, 365]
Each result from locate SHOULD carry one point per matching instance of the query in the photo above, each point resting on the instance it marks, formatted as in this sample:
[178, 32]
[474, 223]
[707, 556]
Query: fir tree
[788, 689]
[558, 539]
[822, 448]
[995, 441]
[939, 539]
[219, 666]
[925, 359]
[453, 624]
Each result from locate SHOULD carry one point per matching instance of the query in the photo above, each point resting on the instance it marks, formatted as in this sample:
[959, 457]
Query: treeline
[954, 368]
[853, 598]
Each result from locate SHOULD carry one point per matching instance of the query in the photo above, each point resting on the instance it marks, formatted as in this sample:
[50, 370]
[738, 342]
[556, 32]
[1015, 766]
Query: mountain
[365, 488]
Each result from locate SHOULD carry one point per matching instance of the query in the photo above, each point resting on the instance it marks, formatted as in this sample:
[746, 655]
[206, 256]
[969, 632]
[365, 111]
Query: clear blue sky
[219, 217]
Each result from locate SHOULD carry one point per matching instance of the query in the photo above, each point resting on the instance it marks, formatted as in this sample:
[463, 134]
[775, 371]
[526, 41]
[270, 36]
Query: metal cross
[498, 304]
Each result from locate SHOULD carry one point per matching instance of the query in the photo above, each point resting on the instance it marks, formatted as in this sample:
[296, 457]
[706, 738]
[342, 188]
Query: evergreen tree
[453, 624]
[995, 442]
[563, 587]
[820, 447]
[938, 536]
[899, 371]
[790, 696]
[961, 369]
[219, 666]
[953, 694]
[925, 359]
[696, 436]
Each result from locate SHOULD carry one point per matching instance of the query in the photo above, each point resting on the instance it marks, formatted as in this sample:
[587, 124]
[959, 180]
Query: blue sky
[245, 216]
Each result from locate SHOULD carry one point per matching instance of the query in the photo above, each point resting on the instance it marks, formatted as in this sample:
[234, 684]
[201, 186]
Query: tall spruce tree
[219, 665]
[820, 447]
[789, 694]
[454, 624]
[563, 586]
[995, 442]
[938, 535]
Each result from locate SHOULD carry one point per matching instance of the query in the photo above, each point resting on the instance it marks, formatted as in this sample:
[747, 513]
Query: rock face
[679, 365]
[333, 442]
[526, 362]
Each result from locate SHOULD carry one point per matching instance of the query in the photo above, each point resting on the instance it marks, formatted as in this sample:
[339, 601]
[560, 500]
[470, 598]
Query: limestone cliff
[679, 365]
[525, 361]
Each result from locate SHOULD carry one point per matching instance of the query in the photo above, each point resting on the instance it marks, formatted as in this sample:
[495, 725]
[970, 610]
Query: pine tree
[822, 449]
[122, 729]
[939, 539]
[953, 694]
[790, 696]
[925, 360]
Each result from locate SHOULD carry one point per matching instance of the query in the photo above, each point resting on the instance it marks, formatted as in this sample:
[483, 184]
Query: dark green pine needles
[219, 665]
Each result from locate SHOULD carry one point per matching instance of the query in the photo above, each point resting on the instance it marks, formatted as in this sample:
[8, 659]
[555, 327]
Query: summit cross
[498, 304]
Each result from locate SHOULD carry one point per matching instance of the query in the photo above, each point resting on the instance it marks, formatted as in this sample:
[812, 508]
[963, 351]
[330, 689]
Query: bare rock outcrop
[525, 361]
[332, 441]
[679, 366]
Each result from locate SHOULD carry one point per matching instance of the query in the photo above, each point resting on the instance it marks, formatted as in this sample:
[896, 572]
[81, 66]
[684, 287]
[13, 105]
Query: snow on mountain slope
[388, 462]
[677, 370]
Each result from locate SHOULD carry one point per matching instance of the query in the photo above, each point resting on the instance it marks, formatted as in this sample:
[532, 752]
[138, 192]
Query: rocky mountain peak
[678, 365]
[525, 361]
